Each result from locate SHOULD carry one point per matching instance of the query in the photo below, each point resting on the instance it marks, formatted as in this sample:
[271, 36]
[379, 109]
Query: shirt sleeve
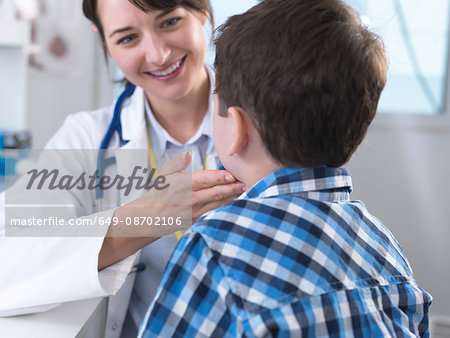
[192, 297]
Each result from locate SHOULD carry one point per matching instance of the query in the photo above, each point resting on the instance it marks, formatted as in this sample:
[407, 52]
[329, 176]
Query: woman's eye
[126, 40]
[170, 23]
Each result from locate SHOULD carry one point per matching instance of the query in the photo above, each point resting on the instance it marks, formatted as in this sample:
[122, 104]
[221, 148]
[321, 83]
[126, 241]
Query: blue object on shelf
[13, 147]
[15, 139]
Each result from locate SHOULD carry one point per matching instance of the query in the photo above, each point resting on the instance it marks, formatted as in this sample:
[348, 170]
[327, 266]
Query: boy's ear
[239, 131]
[94, 27]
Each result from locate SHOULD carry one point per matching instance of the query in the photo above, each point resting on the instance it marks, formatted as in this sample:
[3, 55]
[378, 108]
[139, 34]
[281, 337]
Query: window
[222, 11]
[416, 36]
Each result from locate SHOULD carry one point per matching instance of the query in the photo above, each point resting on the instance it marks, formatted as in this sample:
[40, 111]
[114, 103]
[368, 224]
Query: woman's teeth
[168, 70]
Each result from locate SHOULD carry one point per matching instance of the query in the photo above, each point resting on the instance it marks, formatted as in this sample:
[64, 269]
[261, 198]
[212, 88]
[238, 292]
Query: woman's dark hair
[90, 10]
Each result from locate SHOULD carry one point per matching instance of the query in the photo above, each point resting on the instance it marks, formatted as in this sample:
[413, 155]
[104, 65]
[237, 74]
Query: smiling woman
[163, 52]
[160, 47]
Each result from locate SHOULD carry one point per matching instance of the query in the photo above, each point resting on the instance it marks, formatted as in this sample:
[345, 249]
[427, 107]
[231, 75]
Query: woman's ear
[239, 130]
[202, 16]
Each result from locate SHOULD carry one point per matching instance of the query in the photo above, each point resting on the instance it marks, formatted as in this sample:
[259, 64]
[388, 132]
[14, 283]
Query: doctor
[160, 48]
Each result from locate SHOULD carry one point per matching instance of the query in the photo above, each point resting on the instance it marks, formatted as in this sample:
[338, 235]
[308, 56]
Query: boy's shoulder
[291, 229]
[291, 248]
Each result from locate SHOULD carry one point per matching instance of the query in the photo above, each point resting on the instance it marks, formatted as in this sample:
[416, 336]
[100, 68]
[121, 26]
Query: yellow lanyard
[152, 161]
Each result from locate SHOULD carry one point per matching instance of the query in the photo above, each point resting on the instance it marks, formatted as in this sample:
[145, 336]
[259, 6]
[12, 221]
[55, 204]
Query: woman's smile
[169, 73]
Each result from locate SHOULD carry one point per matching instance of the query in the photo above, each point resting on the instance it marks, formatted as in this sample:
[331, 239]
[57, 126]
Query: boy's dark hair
[307, 72]
[90, 10]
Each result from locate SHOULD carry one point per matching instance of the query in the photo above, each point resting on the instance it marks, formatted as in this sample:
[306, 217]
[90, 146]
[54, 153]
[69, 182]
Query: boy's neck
[254, 164]
[258, 173]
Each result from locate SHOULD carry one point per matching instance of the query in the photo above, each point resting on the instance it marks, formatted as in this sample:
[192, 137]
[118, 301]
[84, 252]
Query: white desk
[84, 319]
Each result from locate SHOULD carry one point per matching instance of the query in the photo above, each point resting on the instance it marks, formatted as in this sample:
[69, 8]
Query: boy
[297, 85]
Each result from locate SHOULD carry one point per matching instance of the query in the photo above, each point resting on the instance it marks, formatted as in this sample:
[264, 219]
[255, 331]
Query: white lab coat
[42, 272]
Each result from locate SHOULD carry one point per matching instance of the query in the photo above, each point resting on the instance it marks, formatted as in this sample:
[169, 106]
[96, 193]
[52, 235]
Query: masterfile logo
[67, 193]
[140, 179]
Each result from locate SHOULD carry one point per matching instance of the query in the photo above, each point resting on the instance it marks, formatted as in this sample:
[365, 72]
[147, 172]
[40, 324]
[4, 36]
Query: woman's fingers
[217, 193]
[177, 164]
[212, 189]
[185, 198]
[209, 178]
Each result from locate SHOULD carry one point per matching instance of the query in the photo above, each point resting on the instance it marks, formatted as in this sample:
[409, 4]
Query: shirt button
[115, 326]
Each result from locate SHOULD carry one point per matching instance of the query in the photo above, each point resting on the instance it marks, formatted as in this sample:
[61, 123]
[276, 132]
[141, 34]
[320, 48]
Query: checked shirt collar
[325, 183]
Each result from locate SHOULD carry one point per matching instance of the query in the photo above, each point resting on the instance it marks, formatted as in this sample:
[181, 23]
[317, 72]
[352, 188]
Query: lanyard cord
[153, 165]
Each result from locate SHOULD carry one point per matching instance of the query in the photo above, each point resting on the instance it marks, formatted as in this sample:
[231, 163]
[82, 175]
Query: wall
[77, 81]
[402, 175]
[14, 37]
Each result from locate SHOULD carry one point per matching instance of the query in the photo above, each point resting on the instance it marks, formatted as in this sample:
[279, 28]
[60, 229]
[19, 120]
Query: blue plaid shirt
[293, 256]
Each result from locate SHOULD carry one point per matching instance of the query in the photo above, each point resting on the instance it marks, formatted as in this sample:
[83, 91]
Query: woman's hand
[186, 197]
[210, 188]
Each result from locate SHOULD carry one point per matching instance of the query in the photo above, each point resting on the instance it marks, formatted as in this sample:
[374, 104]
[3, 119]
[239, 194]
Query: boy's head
[307, 73]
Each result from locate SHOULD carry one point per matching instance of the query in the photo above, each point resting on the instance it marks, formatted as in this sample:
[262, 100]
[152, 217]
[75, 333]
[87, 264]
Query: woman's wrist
[116, 246]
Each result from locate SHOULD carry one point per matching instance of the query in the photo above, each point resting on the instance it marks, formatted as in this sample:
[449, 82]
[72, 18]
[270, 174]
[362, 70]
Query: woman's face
[162, 52]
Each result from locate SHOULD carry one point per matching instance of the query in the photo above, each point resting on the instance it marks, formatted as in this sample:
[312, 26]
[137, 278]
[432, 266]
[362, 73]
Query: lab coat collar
[133, 121]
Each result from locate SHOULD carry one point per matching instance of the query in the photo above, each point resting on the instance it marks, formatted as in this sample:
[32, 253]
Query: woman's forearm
[115, 249]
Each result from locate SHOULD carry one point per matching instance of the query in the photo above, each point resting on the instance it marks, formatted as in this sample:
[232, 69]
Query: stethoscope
[115, 125]
[103, 162]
